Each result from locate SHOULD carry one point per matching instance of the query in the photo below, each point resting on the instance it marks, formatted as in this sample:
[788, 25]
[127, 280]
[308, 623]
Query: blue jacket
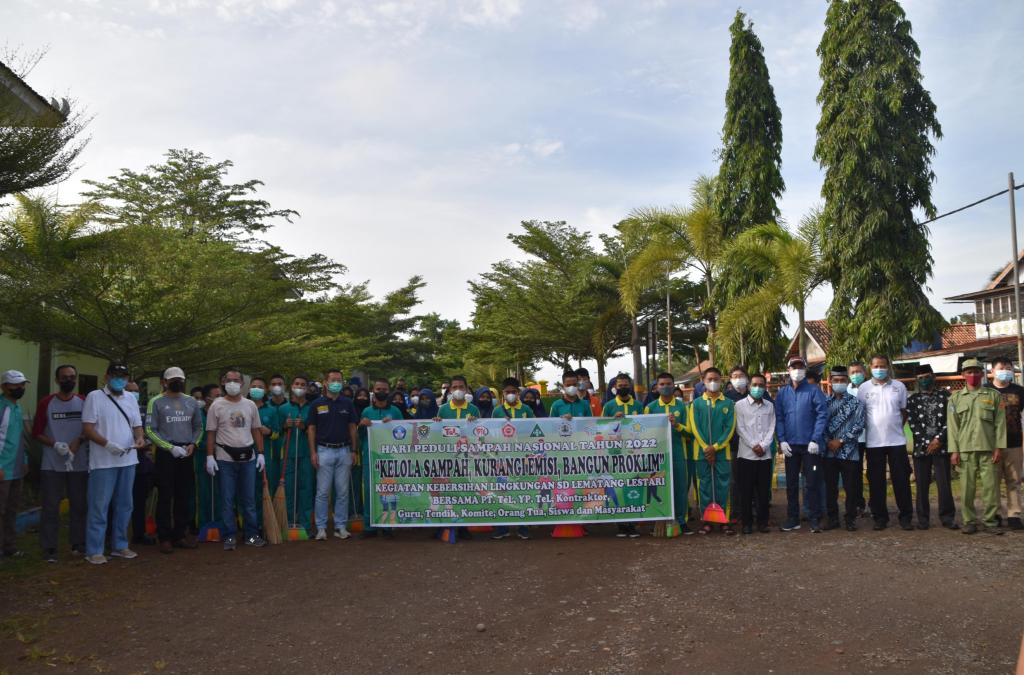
[801, 414]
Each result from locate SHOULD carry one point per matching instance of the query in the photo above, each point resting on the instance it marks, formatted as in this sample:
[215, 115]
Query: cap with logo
[970, 363]
[13, 377]
[795, 360]
[174, 373]
[116, 368]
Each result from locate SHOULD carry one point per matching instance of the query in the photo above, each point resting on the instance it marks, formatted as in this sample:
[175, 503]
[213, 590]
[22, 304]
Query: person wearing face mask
[622, 404]
[926, 416]
[270, 427]
[885, 403]
[380, 411]
[801, 420]
[174, 426]
[1008, 470]
[755, 427]
[234, 452]
[484, 400]
[531, 398]
[414, 400]
[112, 423]
[277, 398]
[712, 422]
[145, 477]
[361, 400]
[736, 390]
[571, 404]
[398, 400]
[668, 404]
[299, 474]
[841, 458]
[511, 406]
[457, 407]
[207, 504]
[976, 423]
[65, 463]
[14, 431]
[858, 375]
[426, 408]
[331, 427]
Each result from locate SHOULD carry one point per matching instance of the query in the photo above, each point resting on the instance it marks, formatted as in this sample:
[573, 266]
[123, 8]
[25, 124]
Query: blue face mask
[756, 391]
[256, 394]
[1004, 375]
[117, 384]
[857, 379]
[879, 373]
[335, 387]
[840, 387]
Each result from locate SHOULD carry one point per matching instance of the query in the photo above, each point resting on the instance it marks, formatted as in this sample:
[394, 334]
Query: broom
[713, 513]
[270, 526]
[295, 532]
[210, 532]
[280, 512]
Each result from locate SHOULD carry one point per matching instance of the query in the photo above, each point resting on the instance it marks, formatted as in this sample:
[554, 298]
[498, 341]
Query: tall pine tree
[750, 174]
[874, 142]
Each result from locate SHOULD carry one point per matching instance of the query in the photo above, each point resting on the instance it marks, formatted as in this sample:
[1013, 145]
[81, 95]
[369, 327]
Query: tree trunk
[43, 374]
[638, 366]
[712, 321]
[803, 337]
[600, 374]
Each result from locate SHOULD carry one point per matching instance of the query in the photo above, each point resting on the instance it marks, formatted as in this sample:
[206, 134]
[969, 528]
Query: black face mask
[176, 386]
[381, 396]
[16, 393]
[67, 386]
[624, 392]
[362, 399]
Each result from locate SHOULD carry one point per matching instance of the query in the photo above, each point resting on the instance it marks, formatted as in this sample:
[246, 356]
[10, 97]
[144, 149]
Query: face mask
[511, 398]
[67, 386]
[459, 395]
[202, 404]
[572, 391]
[415, 400]
[233, 388]
[334, 387]
[666, 391]
[277, 390]
[857, 379]
[797, 374]
[624, 392]
[739, 383]
[298, 392]
[256, 394]
[713, 386]
[585, 385]
[469, 397]
[1004, 375]
[757, 392]
[973, 379]
[176, 386]
[381, 396]
[840, 387]
[117, 384]
[925, 383]
[879, 373]
[614, 391]
[362, 399]
[16, 393]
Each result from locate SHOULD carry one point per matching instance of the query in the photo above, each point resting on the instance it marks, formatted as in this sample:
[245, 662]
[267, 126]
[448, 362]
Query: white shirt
[883, 403]
[111, 425]
[755, 425]
[852, 391]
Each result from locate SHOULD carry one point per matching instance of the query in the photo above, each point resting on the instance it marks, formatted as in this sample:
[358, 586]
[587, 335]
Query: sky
[414, 135]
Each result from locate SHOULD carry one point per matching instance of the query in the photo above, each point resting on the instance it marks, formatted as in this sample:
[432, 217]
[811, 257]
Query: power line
[964, 208]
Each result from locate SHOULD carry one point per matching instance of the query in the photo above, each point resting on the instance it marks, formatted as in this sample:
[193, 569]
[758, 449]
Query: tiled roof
[966, 348]
[958, 334]
[818, 329]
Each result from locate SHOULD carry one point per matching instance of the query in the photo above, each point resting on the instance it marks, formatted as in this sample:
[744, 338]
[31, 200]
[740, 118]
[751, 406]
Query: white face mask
[414, 399]
[739, 383]
[614, 391]
[202, 404]
[233, 388]
[713, 386]
[298, 392]
[277, 390]
[797, 374]
[459, 395]
[571, 391]
[511, 398]
[469, 397]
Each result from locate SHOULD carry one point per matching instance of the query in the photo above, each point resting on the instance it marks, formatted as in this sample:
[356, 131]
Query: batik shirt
[926, 416]
[846, 420]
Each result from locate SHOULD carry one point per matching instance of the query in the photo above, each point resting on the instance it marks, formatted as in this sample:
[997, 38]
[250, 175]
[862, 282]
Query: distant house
[959, 341]
[20, 105]
[818, 339]
[994, 308]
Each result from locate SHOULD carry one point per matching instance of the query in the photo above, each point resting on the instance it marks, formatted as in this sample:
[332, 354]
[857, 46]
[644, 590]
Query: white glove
[812, 448]
[179, 452]
[261, 461]
[786, 450]
[62, 448]
[115, 449]
[211, 465]
[69, 463]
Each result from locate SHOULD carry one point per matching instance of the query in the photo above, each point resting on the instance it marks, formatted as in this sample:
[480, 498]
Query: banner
[520, 472]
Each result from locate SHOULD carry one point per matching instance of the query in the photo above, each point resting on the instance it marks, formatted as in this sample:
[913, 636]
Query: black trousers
[140, 493]
[853, 486]
[54, 485]
[861, 504]
[899, 474]
[923, 467]
[175, 485]
[754, 480]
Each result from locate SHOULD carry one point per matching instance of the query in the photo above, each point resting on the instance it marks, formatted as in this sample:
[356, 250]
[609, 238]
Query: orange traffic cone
[568, 532]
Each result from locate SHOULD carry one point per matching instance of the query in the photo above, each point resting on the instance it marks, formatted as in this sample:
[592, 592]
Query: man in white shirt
[755, 428]
[112, 423]
[885, 405]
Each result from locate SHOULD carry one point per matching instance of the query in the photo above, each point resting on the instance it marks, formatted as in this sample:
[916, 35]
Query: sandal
[705, 530]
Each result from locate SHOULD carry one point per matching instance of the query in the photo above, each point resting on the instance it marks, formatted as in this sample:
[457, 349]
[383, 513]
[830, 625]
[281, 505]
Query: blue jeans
[109, 489]
[335, 469]
[808, 464]
[237, 480]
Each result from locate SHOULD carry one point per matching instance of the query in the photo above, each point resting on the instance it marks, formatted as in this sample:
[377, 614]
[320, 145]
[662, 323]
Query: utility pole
[1016, 275]
[668, 323]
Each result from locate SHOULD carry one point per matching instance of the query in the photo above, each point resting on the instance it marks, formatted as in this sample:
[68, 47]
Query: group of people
[210, 451]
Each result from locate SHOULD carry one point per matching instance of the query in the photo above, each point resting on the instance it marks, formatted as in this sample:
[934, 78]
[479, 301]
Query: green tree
[874, 143]
[750, 174]
[792, 265]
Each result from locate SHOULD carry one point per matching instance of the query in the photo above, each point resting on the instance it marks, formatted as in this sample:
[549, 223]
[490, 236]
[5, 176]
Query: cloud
[581, 16]
[489, 12]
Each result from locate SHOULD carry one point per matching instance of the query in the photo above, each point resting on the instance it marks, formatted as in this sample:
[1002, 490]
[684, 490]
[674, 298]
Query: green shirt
[299, 441]
[712, 422]
[577, 408]
[517, 411]
[12, 427]
[628, 407]
[449, 411]
[976, 420]
[372, 412]
[677, 408]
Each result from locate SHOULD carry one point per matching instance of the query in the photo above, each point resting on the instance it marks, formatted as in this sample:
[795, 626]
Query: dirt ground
[892, 601]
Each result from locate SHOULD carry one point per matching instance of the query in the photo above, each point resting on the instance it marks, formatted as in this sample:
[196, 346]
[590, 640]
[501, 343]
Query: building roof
[22, 101]
[695, 373]
[996, 344]
[997, 285]
[818, 331]
[958, 334]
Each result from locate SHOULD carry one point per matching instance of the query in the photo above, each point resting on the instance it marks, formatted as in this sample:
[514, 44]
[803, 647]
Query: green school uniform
[712, 422]
[300, 491]
[577, 408]
[371, 412]
[451, 411]
[680, 472]
[514, 412]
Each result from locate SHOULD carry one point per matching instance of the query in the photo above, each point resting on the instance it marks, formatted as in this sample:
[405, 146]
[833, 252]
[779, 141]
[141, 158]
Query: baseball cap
[795, 360]
[116, 368]
[174, 373]
[13, 377]
[970, 363]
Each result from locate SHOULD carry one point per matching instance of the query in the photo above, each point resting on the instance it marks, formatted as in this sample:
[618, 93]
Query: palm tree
[791, 264]
[681, 240]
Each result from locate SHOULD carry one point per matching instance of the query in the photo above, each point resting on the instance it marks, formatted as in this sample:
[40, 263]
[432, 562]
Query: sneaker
[969, 528]
[523, 534]
[98, 559]
[505, 535]
[685, 530]
[815, 528]
[951, 526]
[256, 541]
[341, 533]
[321, 534]
[229, 543]
[621, 534]
[77, 551]
[50, 556]
[125, 553]
[993, 529]
[790, 526]
[632, 532]
[1014, 524]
